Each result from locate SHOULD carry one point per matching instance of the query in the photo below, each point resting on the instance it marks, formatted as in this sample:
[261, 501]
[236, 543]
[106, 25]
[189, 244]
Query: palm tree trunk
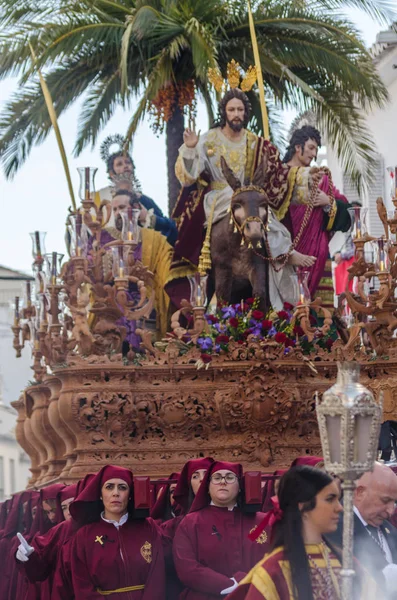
[174, 139]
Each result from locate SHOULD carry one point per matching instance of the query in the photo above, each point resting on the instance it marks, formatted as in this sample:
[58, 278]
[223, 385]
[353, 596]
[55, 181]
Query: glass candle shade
[382, 260]
[54, 262]
[303, 286]
[198, 289]
[78, 233]
[87, 182]
[130, 227]
[118, 265]
[358, 216]
[38, 247]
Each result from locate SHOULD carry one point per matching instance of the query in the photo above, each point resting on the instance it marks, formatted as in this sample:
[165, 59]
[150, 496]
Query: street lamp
[349, 422]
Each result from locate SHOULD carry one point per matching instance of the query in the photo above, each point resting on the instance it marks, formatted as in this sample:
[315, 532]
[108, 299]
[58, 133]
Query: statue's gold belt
[131, 588]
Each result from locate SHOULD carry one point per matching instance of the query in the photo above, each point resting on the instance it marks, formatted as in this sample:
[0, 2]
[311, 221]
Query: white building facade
[14, 462]
[14, 376]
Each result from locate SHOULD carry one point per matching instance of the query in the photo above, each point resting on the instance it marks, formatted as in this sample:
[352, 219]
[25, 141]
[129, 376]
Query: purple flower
[228, 311]
[217, 326]
[205, 343]
[272, 331]
[256, 329]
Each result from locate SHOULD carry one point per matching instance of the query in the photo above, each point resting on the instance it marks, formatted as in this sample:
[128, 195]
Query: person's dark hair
[300, 485]
[112, 158]
[299, 138]
[230, 94]
[134, 198]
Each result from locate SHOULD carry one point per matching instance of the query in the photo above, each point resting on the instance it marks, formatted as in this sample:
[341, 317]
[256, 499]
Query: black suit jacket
[367, 551]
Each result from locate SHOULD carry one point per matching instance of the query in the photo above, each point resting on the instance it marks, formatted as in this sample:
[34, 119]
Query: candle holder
[16, 329]
[198, 290]
[38, 249]
[119, 264]
[87, 184]
[358, 216]
[78, 235]
[54, 267]
[381, 251]
[130, 228]
[303, 286]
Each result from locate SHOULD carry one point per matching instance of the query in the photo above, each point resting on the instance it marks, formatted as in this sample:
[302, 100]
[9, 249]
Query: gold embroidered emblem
[146, 552]
[262, 539]
[99, 540]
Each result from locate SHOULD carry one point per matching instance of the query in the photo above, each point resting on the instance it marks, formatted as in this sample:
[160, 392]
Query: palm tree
[115, 50]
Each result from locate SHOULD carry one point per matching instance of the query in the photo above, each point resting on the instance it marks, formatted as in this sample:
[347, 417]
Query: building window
[12, 476]
[2, 494]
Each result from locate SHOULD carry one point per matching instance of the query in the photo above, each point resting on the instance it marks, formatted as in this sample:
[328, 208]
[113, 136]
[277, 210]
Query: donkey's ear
[260, 174]
[229, 175]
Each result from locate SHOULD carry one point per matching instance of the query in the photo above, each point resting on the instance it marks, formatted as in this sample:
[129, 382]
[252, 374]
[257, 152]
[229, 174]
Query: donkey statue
[240, 253]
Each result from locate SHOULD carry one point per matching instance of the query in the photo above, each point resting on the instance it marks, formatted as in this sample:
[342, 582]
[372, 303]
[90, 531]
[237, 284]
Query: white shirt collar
[357, 512]
[117, 524]
[229, 509]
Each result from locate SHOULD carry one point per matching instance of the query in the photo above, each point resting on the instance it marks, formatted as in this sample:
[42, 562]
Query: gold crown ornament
[234, 75]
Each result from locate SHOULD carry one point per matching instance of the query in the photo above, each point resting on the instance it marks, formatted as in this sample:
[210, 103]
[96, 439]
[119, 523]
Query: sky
[37, 198]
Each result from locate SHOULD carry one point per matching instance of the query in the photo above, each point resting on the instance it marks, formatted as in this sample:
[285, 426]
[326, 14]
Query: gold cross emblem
[99, 539]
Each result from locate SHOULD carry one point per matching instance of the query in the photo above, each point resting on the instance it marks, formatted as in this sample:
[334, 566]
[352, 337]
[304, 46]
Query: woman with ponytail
[301, 565]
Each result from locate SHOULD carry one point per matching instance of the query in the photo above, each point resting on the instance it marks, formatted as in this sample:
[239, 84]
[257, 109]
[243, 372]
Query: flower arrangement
[244, 322]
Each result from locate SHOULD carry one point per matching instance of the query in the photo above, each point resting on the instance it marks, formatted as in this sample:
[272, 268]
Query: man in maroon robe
[43, 550]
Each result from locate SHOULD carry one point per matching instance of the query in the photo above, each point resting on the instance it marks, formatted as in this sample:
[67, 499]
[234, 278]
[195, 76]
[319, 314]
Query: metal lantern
[349, 421]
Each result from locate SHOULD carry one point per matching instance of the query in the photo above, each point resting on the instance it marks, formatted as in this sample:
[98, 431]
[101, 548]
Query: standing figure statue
[329, 214]
[206, 195]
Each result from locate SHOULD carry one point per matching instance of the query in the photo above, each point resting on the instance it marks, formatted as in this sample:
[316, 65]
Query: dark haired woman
[113, 554]
[301, 566]
[212, 551]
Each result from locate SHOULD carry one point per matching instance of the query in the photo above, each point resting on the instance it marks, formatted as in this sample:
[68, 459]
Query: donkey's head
[249, 205]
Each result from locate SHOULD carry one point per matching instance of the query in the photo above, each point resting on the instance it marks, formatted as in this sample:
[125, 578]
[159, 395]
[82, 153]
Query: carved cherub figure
[81, 334]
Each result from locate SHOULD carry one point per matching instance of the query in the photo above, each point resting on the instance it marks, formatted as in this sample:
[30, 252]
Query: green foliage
[111, 51]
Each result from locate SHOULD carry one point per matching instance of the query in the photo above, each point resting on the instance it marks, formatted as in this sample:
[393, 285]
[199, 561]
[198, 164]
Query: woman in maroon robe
[212, 551]
[113, 554]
